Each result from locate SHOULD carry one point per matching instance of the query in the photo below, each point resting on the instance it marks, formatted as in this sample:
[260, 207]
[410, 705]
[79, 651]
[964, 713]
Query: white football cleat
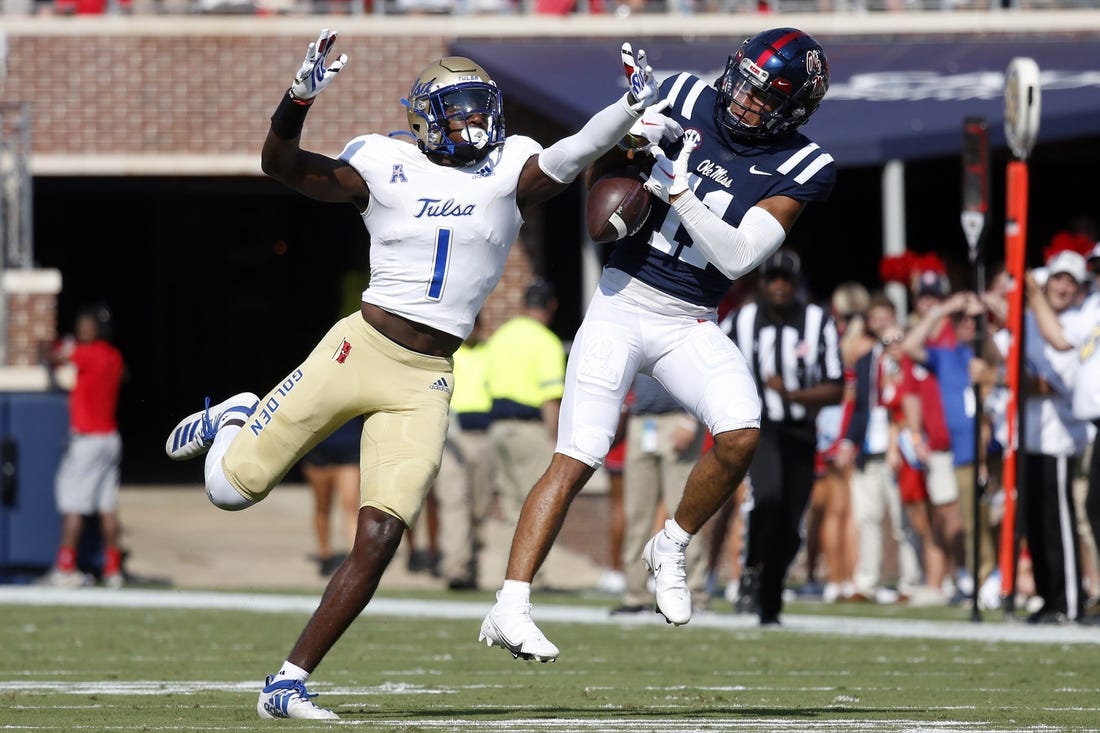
[194, 434]
[513, 629]
[290, 699]
[669, 580]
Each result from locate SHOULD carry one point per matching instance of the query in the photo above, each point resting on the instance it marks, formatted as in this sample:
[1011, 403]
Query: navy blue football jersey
[729, 177]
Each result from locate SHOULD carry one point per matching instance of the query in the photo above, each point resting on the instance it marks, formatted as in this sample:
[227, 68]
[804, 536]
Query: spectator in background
[1086, 406]
[792, 350]
[727, 544]
[423, 539]
[89, 7]
[1053, 440]
[833, 490]
[525, 378]
[929, 290]
[929, 491]
[613, 578]
[869, 444]
[663, 442]
[925, 476]
[956, 369]
[88, 476]
[464, 486]
[425, 7]
[332, 471]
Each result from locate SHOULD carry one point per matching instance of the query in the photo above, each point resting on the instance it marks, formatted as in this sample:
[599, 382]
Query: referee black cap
[782, 261]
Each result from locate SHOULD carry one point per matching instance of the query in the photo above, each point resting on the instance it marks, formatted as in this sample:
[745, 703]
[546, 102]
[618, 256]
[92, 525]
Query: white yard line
[475, 611]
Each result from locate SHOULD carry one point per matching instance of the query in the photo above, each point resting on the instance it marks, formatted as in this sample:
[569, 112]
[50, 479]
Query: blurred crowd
[512, 7]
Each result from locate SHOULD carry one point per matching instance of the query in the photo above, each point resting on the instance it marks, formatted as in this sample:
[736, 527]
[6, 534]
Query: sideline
[1013, 632]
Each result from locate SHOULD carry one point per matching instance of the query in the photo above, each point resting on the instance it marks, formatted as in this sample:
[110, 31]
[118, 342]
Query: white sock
[219, 490]
[514, 592]
[291, 672]
[676, 533]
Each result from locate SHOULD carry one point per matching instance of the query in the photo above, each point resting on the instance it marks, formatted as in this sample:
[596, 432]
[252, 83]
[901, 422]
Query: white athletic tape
[620, 226]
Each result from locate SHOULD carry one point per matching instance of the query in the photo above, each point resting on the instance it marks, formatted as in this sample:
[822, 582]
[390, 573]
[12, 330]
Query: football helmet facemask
[774, 82]
[452, 95]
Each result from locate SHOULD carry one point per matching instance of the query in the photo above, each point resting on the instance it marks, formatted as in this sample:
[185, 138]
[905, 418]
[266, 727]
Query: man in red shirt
[926, 478]
[87, 479]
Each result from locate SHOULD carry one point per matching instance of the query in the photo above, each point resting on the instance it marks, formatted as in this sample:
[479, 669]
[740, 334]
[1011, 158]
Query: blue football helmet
[774, 82]
[455, 95]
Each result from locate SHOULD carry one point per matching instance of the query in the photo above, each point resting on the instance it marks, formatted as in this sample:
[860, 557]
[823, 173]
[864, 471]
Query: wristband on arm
[290, 116]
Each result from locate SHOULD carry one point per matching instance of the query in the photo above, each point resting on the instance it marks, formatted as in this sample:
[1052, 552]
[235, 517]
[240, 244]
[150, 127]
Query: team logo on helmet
[772, 84]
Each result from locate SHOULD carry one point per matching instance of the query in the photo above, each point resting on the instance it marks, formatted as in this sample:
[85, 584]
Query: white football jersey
[439, 236]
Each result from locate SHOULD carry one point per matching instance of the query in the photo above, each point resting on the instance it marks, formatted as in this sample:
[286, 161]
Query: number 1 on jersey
[439, 263]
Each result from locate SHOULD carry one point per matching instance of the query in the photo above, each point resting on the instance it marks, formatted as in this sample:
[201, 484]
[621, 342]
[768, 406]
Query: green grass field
[76, 667]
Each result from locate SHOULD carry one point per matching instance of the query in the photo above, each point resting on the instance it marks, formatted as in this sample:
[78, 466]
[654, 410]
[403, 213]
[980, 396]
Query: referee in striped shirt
[792, 349]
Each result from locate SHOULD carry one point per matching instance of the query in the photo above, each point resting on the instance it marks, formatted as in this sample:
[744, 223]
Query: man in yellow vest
[463, 489]
[525, 377]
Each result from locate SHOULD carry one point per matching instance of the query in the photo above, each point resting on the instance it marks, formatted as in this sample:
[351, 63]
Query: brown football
[618, 205]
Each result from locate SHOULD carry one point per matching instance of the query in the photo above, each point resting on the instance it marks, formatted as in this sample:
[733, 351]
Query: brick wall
[31, 312]
[110, 94]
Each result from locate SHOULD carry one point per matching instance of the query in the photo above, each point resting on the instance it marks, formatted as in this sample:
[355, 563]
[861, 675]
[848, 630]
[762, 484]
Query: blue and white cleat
[290, 699]
[194, 434]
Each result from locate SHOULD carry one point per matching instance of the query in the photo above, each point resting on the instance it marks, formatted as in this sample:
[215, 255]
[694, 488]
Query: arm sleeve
[564, 160]
[735, 251]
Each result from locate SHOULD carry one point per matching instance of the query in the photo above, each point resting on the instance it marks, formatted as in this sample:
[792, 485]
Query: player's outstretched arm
[315, 175]
[550, 172]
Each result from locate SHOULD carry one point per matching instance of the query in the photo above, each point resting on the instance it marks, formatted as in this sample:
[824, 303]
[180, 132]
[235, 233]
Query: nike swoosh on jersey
[757, 172]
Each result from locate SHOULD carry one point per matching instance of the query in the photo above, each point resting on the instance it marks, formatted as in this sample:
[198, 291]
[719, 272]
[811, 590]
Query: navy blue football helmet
[454, 94]
[774, 82]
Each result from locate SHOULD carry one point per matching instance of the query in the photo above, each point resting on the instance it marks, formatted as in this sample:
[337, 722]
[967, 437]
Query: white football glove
[313, 77]
[670, 177]
[653, 127]
[639, 79]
